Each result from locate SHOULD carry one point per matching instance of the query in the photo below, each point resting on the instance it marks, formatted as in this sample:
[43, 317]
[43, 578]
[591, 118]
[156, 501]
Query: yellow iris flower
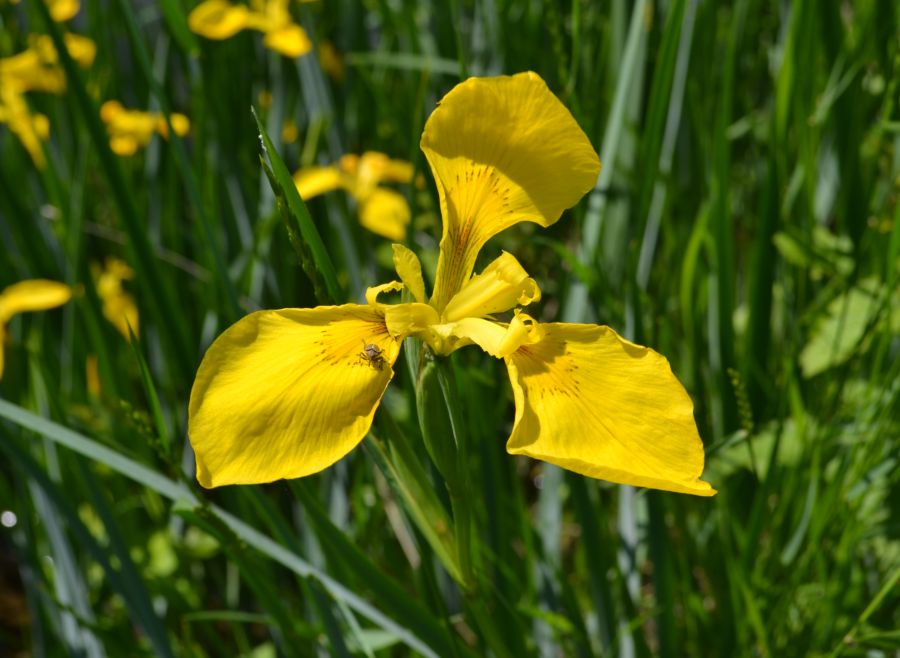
[60, 10]
[287, 393]
[381, 209]
[220, 19]
[130, 129]
[31, 295]
[119, 306]
[36, 69]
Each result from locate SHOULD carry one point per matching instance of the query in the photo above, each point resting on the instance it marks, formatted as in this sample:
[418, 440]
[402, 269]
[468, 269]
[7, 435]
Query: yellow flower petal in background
[313, 181]
[386, 213]
[591, 402]
[381, 210]
[502, 285]
[373, 168]
[331, 61]
[290, 41]
[30, 295]
[63, 10]
[36, 69]
[502, 150]
[290, 133]
[31, 129]
[218, 19]
[283, 394]
[119, 306]
[130, 129]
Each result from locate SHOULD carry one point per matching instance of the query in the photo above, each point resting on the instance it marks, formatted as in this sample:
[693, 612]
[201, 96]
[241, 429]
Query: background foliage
[745, 225]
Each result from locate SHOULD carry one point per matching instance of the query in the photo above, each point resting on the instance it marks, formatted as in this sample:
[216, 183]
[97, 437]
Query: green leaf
[302, 230]
[179, 492]
[837, 335]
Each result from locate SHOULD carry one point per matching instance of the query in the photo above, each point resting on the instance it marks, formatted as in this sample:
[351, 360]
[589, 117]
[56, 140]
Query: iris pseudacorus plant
[131, 129]
[220, 19]
[25, 296]
[119, 306]
[36, 69]
[286, 393]
[381, 210]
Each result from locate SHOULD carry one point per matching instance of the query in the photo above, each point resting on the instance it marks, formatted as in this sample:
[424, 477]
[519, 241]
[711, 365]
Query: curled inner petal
[501, 286]
[497, 339]
[409, 269]
[373, 292]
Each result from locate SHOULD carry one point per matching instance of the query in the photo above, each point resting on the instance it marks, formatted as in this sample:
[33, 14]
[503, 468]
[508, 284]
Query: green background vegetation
[745, 224]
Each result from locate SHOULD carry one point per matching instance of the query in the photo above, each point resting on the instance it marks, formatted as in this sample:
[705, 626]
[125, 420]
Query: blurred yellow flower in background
[220, 19]
[130, 129]
[36, 69]
[30, 295]
[60, 10]
[119, 306]
[381, 210]
[63, 10]
[287, 393]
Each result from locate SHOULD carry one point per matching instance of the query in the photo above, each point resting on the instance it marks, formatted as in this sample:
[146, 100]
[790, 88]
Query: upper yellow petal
[218, 19]
[503, 150]
[32, 295]
[590, 401]
[502, 285]
[385, 212]
[287, 393]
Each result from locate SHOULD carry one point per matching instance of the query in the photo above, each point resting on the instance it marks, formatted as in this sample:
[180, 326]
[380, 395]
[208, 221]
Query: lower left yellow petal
[287, 393]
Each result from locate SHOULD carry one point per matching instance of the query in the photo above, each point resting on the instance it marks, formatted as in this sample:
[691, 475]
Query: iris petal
[502, 285]
[385, 212]
[591, 402]
[502, 150]
[32, 295]
[287, 393]
[409, 269]
[313, 181]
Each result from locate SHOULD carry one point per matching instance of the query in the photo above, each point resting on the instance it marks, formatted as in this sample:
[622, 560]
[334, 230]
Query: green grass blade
[301, 228]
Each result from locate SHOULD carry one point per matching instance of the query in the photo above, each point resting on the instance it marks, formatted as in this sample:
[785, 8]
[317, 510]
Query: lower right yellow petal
[283, 394]
[591, 402]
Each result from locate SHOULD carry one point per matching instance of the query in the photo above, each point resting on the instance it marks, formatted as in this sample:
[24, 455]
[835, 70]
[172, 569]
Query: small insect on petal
[373, 356]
